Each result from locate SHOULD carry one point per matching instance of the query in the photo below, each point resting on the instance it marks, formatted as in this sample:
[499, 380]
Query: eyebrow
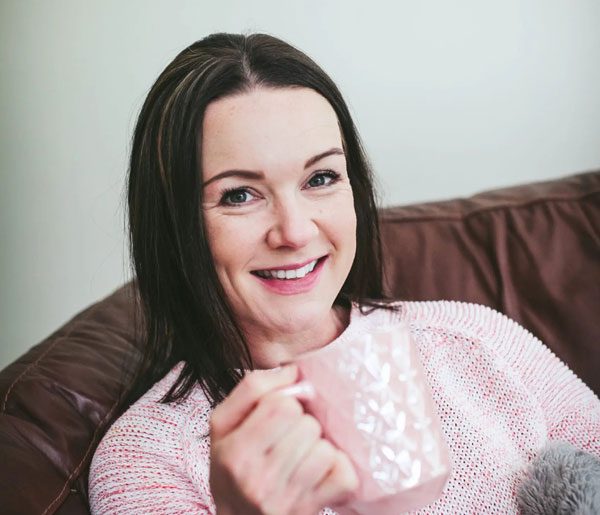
[250, 174]
[331, 152]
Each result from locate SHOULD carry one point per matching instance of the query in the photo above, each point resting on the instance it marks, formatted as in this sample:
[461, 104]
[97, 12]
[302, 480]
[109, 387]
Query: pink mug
[373, 402]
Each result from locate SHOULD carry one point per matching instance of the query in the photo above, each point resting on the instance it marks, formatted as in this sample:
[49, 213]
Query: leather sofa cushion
[57, 401]
[531, 252]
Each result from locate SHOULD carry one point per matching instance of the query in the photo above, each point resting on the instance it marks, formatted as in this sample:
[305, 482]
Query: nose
[293, 225]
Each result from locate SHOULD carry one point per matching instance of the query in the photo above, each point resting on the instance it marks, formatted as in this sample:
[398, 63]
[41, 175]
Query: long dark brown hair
[183, 306]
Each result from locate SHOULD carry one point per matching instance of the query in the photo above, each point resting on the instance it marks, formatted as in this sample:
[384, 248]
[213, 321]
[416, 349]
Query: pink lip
[294, 286]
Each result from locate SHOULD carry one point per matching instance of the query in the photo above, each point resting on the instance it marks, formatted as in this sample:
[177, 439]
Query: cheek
[232, 241]
[342, 223]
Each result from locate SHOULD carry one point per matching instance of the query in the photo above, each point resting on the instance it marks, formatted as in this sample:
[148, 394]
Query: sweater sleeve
[153, 460]
[570, 408]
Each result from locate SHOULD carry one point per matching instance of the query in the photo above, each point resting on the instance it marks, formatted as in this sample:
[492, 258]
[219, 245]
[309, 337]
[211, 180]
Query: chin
[291, 317]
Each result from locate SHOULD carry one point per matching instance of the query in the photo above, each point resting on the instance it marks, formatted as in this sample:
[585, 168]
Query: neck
[270, 350]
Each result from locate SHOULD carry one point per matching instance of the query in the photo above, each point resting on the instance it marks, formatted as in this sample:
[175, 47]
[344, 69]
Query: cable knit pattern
[500, 393]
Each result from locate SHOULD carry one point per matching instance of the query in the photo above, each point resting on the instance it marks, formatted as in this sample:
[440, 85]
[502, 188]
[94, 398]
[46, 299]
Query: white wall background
[451, 98]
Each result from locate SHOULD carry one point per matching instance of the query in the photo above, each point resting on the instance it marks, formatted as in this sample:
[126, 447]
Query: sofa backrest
[56, 401]
[532, 252]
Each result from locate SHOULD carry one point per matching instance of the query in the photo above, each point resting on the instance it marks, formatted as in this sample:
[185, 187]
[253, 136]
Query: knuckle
[350, 484]
[349, 480]
[326, 450]
[311, 425]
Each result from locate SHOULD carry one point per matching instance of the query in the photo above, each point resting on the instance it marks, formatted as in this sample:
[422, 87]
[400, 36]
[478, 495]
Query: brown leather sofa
[532, 252]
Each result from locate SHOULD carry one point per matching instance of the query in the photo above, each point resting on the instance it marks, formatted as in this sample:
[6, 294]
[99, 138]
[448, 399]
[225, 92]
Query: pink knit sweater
[500, 393]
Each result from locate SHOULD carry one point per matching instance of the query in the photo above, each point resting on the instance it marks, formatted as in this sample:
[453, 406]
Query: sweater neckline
[358, 323]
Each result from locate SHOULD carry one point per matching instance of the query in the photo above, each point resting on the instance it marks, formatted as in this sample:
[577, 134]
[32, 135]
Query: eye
[236, 197]
[323, 178]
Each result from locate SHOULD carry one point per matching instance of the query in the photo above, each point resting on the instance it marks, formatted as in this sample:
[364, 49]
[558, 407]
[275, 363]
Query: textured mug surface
[373, 402]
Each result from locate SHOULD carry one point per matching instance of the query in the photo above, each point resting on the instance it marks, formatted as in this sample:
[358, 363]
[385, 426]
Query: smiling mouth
[286, 275]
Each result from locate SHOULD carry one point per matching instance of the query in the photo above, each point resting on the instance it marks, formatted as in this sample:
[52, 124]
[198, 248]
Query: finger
[303, 390]
[241, 454]
[290, 451]
[234, 409]
[273, 417]
[315, 466]
[340, 485]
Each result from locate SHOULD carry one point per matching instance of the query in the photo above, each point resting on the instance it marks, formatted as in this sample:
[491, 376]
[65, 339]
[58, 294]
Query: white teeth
[301, 272]
[288, 274]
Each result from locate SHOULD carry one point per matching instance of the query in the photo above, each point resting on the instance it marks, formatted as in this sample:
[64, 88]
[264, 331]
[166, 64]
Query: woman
[254, 237]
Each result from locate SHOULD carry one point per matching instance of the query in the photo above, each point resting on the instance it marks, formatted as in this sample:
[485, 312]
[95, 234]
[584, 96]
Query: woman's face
[278, 207]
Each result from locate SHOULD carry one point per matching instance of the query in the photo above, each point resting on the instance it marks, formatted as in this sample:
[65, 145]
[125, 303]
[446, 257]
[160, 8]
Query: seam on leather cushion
[408, 218]
[33, 365]
[77, 470]
[56, 501]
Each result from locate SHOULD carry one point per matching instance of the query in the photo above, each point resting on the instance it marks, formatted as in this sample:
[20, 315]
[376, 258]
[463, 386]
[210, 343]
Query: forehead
[266, 128]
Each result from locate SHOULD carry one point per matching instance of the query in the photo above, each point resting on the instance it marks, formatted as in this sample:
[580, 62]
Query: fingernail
[301, 390]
